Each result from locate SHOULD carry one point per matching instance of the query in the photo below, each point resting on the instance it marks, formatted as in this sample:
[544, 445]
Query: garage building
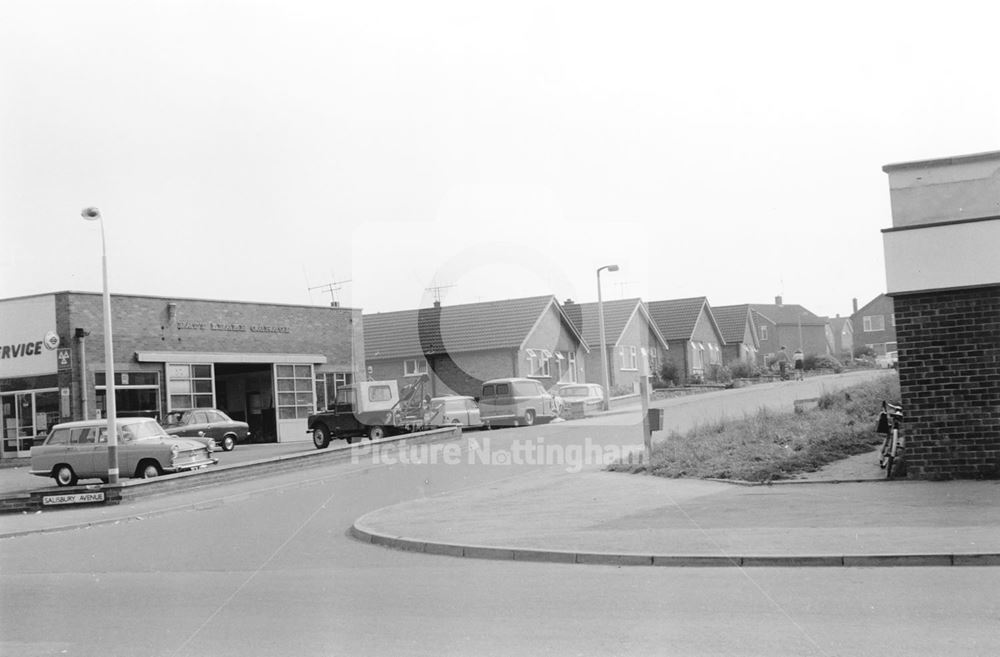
[269, 365]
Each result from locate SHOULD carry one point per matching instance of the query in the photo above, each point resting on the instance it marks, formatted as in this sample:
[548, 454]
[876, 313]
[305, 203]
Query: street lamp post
[802, 347]
[111, 410]
[604, 348]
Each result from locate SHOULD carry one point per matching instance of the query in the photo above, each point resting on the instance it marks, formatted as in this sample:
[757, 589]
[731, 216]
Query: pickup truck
[372, 409]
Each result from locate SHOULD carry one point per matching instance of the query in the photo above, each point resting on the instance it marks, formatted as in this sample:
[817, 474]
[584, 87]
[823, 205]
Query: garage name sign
[28, 340]
[235, 328]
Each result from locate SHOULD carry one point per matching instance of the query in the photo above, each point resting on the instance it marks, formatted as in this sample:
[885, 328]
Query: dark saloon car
[207, 424]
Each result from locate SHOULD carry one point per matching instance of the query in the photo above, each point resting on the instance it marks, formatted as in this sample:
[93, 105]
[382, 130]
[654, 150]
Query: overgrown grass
[771, 445]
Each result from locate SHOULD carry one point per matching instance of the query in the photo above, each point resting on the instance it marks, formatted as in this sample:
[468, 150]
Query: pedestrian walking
[800, 364]
[782, 360]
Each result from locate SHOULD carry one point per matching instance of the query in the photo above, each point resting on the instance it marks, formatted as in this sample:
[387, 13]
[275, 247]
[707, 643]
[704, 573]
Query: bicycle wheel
[884, 454]
[891, 456]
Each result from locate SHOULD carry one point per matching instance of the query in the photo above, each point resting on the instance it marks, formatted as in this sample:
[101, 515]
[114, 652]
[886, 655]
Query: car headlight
[175, 449]
[210, 445]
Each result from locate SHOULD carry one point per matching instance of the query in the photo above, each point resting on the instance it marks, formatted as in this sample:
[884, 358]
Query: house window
[763, 333]
[633, 358]
[654, 361]
[572, 366]
[414, 366]
[698, 356]
[538, 362]
[892, 320]
[873, 323]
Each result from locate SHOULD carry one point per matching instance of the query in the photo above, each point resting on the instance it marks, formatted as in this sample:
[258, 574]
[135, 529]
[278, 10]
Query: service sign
[28, 339]
[73, 498]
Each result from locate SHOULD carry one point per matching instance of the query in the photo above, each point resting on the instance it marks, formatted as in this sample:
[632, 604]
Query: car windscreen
[142, 429]
[580, 391]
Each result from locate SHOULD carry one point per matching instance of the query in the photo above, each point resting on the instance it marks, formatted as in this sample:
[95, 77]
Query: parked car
[79, 450]
[454, 410]
[208, 425]
[515, 401]
[581, 398]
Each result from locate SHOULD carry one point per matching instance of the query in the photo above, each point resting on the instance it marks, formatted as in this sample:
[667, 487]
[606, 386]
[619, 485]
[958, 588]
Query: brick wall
[196, 325]
[949, 371]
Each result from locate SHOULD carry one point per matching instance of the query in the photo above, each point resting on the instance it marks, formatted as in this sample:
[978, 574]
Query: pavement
[621, 519]
[846, 514]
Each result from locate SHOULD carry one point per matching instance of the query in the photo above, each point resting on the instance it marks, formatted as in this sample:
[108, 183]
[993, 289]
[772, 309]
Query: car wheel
[228, 443]
[321, 437]
[64, 476]
[376, 433]
[149, 469]
[529, 418]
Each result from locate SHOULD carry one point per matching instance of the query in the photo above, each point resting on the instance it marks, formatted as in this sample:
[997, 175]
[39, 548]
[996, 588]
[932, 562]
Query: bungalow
[462, 346]
[740, 333]
[794, 328]
[692, 333]
[629, 334]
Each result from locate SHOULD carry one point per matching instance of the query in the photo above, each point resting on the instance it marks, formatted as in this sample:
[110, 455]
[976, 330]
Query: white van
[515, 402]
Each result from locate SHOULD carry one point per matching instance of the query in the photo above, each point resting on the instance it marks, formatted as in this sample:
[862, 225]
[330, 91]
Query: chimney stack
[437, 304]
[854, 301]
[777, 301]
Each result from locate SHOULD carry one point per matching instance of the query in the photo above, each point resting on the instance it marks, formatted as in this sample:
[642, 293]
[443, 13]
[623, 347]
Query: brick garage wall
[949, 372]
[144, 324]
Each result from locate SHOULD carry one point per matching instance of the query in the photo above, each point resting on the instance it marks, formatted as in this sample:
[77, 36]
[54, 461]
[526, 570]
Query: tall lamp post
[802, 347]
[93, 214]
[604, 348]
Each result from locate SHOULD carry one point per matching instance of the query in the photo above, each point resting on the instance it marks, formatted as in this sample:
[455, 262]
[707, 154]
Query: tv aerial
[332, 288]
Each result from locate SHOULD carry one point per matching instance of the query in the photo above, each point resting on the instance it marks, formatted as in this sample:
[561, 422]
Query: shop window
[296, 397]
[327, 385]
[26, 419]
[190, 385]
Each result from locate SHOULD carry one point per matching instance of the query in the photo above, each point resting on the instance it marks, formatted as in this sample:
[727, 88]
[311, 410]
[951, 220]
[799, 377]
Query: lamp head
[612, 267]
[91, 214]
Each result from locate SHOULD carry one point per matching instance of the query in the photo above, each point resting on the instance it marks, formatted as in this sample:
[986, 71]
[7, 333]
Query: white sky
[251, 150]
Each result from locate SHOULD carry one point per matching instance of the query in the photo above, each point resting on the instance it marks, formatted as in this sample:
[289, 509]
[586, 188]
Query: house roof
[787, 314]
[732, 321]
[617, 315]
[453, 329]
[837, 324]
[880, 299]
[677, 318]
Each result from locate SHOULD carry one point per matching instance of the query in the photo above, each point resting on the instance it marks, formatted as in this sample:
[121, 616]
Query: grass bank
[771, 445]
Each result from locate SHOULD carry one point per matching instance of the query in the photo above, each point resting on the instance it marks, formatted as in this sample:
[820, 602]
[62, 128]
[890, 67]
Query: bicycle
[889, 423]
